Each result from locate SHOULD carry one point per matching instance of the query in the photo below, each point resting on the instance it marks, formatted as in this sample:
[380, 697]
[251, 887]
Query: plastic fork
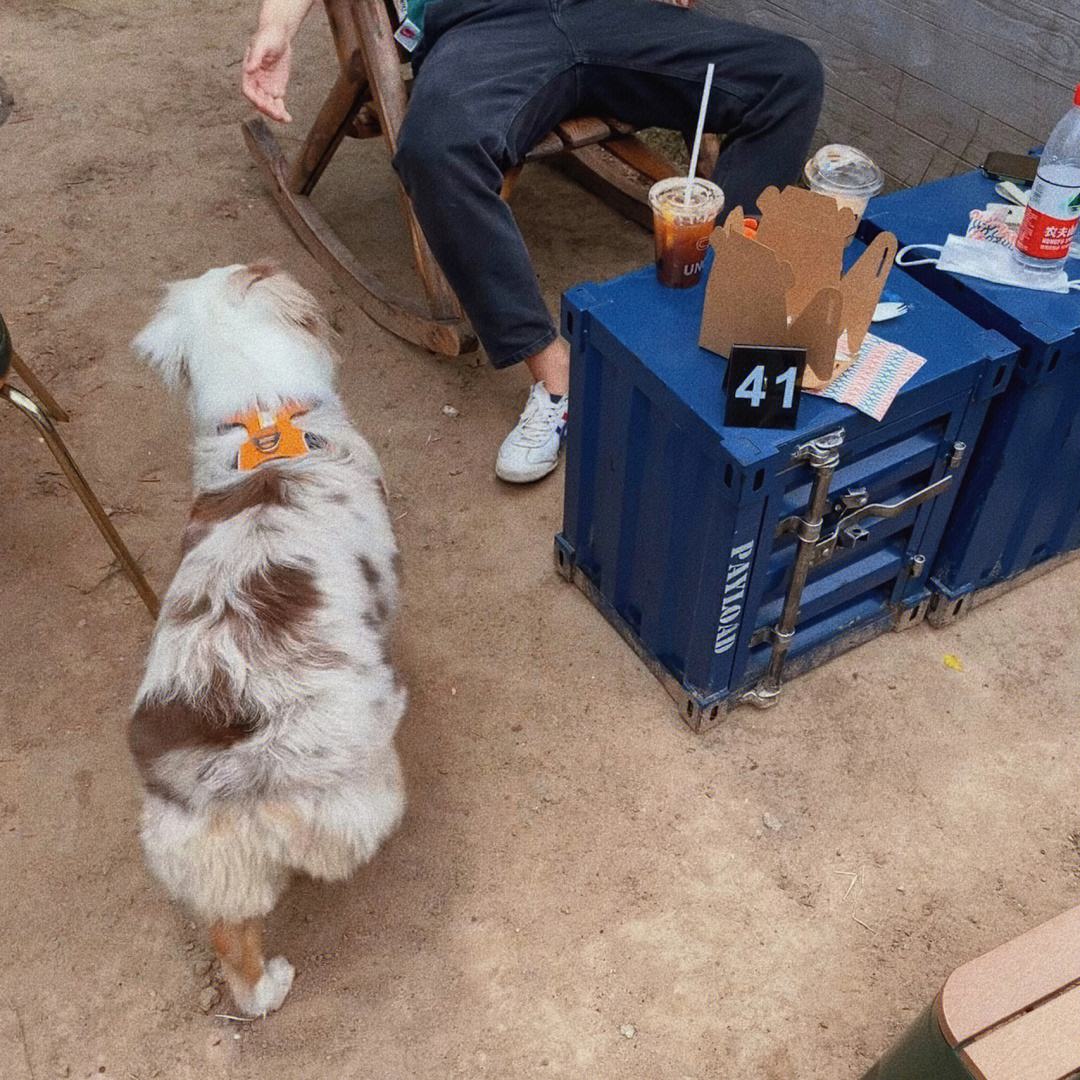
[890, 309]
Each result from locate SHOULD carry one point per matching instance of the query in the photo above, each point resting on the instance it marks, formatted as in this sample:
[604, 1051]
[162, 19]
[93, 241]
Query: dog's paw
[271, 990]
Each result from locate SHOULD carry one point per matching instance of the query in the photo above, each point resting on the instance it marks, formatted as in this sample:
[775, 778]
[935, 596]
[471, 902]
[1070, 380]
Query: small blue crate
[689, 536]
[1019, 506]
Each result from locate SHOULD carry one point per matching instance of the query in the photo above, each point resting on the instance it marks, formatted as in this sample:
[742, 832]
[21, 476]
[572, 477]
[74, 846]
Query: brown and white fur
[264, 726]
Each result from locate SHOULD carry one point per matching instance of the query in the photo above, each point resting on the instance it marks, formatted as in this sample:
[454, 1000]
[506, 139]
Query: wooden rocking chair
[369, 99]
[42, 410]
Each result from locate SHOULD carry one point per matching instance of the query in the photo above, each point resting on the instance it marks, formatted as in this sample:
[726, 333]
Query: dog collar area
[271, 435]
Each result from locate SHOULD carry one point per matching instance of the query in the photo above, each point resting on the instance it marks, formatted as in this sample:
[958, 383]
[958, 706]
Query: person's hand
[266, 72]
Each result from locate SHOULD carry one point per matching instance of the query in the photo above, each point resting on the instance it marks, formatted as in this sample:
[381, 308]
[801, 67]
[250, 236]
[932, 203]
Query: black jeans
[494, 76]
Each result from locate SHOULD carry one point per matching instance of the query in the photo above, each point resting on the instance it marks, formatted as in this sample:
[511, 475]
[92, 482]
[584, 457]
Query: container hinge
[905, 617]
[959, 449]
[823, 448]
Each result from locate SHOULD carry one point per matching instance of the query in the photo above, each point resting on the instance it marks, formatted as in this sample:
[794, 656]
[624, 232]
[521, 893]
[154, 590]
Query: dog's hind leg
[258, 987]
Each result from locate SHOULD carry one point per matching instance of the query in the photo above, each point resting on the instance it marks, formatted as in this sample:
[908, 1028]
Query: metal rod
[40, 417]
[823, 456]
[38, 388]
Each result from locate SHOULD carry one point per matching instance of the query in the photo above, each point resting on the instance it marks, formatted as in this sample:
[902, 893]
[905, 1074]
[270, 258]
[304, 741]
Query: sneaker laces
[541, 415]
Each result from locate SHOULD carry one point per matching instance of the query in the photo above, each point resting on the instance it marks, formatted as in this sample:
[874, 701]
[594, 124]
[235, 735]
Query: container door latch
[814, 548]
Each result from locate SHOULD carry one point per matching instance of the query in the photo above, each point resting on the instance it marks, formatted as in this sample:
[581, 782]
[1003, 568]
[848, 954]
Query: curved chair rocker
[369, 99]
[42, 410]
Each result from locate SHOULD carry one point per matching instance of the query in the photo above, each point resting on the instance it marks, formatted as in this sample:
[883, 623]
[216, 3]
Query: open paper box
[786, 286]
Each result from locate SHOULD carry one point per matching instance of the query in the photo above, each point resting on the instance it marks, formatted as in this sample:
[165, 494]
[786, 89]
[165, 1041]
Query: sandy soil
[582, 887]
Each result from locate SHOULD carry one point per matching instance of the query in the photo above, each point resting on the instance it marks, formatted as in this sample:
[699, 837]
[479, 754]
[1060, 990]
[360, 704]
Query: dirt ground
[582, 887]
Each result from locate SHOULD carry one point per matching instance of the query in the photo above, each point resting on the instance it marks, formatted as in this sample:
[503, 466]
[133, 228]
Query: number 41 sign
[764, 386]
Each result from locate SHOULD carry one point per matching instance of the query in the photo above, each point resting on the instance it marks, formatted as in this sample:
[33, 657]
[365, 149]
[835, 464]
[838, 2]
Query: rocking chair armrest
[370, 98]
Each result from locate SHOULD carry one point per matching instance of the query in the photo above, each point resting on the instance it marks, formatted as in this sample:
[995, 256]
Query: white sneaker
[531, 450]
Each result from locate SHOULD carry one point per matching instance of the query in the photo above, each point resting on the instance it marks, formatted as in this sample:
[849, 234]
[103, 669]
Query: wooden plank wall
[927, 87]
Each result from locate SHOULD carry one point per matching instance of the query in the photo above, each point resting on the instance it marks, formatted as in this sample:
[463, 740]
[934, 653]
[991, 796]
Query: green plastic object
[922, 1053]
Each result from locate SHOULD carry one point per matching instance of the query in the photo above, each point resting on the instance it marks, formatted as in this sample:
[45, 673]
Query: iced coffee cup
[846, 174]
[682, 228]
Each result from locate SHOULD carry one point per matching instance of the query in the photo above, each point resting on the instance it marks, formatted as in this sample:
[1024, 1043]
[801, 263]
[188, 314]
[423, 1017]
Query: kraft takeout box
[786, 285]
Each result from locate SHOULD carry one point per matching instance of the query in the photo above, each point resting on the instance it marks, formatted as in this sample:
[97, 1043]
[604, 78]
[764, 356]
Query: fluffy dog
[264, 727]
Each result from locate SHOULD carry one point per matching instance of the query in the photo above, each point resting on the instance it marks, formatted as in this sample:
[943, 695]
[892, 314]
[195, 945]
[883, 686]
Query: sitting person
[493, 77]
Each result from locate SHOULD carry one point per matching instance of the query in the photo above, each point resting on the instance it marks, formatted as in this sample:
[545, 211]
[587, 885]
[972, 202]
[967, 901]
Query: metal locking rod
[823, 455]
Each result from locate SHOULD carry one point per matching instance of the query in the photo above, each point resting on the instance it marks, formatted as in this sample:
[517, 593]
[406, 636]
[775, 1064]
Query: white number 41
[752, 388]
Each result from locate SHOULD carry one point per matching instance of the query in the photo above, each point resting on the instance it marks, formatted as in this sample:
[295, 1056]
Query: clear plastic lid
[845, 170]
[668, 197]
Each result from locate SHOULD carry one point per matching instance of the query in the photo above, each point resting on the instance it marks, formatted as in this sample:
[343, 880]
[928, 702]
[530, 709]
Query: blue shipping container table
[684, 532]
[1019, 508]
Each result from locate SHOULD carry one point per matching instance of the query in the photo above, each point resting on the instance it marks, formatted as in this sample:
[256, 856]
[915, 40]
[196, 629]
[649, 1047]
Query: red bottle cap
[1076, 96]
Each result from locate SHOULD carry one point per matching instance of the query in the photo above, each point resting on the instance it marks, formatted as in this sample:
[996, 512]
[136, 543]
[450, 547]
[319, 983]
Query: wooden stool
[369, 99]
[42, 410]
[1013, 1014]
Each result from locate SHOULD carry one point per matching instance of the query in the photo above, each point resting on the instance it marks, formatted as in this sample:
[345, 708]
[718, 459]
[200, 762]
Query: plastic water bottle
[1053, 209]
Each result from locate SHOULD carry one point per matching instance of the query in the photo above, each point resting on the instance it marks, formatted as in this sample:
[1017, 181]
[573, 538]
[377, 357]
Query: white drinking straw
[700, 132]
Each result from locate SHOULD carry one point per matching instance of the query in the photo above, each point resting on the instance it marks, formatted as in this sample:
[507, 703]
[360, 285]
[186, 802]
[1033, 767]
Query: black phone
[1018, 167]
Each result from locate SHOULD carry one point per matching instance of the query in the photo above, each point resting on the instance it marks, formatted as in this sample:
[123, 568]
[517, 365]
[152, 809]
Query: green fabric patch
[414, 12]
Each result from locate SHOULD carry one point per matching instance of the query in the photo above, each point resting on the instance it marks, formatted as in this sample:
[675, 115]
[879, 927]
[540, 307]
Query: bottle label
[1050, 221]
[407, 35]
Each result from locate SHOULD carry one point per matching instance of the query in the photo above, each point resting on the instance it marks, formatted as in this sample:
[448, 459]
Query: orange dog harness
[271, 436]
